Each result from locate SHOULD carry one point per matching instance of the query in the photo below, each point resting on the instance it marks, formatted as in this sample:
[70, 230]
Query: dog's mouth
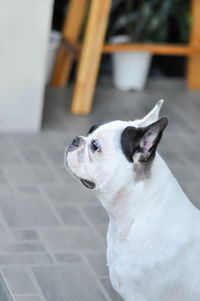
[88, 184]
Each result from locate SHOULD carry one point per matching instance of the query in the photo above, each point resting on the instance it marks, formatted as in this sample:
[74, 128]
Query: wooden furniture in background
[71, 31]
[89, 53]
[193, 70]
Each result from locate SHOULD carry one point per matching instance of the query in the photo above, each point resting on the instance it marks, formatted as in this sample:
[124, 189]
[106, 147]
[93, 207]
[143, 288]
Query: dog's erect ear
[153, 115]
[141, 143]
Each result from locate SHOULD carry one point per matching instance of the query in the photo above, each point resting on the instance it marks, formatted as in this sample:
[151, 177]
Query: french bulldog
[153, 238]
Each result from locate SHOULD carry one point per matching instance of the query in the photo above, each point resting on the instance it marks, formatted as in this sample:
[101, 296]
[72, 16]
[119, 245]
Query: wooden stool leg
[193, 70]
[90, 56]
[71, 30]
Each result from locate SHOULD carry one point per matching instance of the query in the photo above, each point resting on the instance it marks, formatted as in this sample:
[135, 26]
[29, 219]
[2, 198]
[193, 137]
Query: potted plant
[142, 22]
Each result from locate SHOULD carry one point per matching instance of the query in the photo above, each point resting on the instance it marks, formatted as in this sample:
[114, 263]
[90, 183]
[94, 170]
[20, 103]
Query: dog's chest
[124, 270]
[131, 267]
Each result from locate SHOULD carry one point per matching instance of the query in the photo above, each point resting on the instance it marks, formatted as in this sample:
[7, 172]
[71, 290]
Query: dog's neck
[141, 197]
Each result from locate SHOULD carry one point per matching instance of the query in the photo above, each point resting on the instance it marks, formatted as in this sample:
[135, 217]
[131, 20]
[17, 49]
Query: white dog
[153, 239]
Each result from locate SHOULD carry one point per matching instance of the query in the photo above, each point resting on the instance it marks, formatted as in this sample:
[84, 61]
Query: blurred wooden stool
[89, 53]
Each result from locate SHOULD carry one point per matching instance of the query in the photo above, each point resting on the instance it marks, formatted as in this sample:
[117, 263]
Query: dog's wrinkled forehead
[107, 130]
[108, 135]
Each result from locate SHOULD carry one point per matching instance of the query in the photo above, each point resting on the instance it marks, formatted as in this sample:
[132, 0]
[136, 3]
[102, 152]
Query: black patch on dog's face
[96, 126]
[143, 141]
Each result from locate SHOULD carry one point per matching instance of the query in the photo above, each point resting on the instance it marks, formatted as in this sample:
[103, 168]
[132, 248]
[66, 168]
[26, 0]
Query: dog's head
[112, 152]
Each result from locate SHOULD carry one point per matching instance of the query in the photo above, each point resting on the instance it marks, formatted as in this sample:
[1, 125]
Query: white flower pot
[130, 69]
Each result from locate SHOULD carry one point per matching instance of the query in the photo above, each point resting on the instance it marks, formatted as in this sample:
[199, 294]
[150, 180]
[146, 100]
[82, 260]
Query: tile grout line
[50, 252]
[6, 285]
[105, 293]
[36, 283]
[94, 228]
[51, 166]
[7, 227]
[53, 209]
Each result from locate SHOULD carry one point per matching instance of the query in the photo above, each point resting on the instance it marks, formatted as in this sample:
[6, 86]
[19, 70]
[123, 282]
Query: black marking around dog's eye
[96, 126]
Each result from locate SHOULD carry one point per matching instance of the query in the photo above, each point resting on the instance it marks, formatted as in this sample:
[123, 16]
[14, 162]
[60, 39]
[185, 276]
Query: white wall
[24, 33]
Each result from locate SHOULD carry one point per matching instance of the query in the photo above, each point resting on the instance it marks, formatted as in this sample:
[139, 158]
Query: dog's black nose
[75, 144]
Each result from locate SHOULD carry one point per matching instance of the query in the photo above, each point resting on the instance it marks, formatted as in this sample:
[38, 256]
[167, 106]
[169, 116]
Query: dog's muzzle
[75, 145]
[75, 159]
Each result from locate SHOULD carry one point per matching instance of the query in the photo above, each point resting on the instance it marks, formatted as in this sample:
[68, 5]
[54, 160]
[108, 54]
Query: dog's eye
[95, 146]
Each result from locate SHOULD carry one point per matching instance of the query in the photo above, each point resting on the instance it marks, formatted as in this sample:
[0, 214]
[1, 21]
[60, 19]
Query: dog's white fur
[153, 239]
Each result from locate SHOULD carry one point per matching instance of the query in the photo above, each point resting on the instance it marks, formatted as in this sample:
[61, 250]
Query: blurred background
[66, 65]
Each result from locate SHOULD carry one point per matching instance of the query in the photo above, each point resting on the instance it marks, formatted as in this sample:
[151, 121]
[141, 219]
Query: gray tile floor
[52, 230]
